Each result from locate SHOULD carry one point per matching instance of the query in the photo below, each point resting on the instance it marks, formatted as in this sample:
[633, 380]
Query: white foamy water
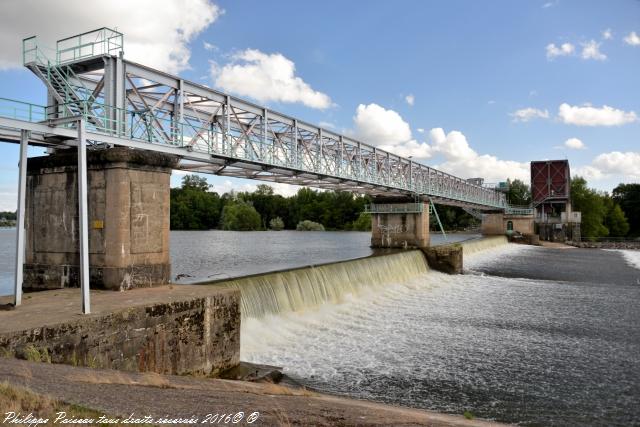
[632, 257]
[517, 350]
[494, 255]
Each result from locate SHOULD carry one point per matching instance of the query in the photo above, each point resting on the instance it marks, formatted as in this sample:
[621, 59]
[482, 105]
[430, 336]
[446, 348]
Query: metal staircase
[473, 212]
[71, 96]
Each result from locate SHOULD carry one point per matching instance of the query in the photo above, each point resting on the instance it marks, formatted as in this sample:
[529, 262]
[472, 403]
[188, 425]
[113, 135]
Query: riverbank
[120, 394]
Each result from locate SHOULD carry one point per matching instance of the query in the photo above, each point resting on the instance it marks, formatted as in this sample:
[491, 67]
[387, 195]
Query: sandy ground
[120, 394]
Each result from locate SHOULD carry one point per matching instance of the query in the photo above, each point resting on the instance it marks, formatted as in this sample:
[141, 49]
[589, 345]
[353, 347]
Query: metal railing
[103, 41]
[518, 210]
[387, 208]
[235, 129]
[19, 110]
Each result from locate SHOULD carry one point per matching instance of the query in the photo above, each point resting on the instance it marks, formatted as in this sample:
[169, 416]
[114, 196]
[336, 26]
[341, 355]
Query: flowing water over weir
[513, 349]
[309, 287]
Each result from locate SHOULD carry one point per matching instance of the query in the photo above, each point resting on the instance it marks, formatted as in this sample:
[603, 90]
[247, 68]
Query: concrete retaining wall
[196, 335]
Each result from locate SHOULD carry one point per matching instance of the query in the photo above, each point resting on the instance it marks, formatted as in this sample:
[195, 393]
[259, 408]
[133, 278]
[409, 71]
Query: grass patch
[280, 390]
[468, 415]
[22, 400]
[147, 379]
[35, 354]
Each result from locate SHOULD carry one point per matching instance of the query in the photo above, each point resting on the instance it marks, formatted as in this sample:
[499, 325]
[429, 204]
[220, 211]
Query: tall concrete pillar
[399, 224]
[128, 196]
[493, 224]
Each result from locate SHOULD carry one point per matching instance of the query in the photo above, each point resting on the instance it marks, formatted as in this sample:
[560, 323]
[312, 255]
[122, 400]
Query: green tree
[593, 208]
[307, 225]
[276, 224]
[615, 221]
[519, 193]
[363, 223]
[193, 207]
[240, 216]
[628, 197]
[196, 182]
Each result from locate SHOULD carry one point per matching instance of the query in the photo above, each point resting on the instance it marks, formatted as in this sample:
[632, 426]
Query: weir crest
[310, 287]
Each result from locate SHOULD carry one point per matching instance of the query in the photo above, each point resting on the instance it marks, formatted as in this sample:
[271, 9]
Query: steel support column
[83, 213]
[22, 186]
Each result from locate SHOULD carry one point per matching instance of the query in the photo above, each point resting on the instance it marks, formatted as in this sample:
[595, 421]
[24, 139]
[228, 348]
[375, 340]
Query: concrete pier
[399, 223]
[128, 198]
[498, 224]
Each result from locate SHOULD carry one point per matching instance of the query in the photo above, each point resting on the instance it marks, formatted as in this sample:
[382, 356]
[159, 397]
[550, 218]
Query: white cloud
[548, 4]
[461, 160]
[209, 46]
[554, 51]
[632, 39]
[376, 125]
[412, 148]
[527, 114]
[607, 34]
[155, 36]
[420, 130]
[241, 185]
[386, 129]
[267, 77]
[588, 172]
[410, 99]
[491, 102]
[623, 166]
[591, 50]
[327, 125]
[616, 162]
[574, 144]
[586, 115]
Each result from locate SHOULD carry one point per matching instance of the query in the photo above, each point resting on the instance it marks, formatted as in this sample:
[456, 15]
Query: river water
[505, 341]
[215, 254]
[533, 336]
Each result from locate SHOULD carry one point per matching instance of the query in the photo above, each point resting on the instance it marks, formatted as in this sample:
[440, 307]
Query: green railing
[388, 208]
[103, 41]
[19, 110]
[518, 210]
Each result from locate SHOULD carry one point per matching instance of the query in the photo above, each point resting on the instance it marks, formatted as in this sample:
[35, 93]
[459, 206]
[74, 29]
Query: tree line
[603, 214]
[7, 219]
[195, 207]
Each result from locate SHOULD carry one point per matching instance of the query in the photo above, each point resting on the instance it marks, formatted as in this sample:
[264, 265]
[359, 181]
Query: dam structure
[94, 212]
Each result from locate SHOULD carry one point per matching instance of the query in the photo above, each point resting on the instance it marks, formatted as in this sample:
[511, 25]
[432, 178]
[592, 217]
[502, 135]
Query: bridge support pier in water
[399, 223]
[128, 218]
[499, 224]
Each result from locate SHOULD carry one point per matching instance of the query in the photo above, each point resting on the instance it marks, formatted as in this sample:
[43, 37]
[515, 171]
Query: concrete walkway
[53, 307]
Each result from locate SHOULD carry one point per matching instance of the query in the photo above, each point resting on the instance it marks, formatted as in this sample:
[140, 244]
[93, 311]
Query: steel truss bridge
[122, 103]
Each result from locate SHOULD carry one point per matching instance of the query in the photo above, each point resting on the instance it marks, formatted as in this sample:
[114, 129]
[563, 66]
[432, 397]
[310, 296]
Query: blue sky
[493, 84]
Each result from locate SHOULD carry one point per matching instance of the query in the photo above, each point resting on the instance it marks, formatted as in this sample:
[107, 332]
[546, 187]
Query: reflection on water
[215, 254]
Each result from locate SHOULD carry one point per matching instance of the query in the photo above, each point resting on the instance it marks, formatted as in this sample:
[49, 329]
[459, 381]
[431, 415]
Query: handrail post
[83, 212]
[22, 186]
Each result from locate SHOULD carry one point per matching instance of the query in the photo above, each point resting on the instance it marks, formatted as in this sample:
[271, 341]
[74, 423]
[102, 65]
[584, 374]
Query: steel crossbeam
[129, 104]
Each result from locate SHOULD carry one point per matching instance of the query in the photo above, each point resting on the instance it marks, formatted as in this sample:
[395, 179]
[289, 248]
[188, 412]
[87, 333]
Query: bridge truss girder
[132, 104]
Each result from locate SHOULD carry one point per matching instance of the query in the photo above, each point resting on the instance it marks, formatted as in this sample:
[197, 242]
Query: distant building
[554, 217]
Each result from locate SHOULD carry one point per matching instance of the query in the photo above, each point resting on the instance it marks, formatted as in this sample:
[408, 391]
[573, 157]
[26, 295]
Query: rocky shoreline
[632, 244]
